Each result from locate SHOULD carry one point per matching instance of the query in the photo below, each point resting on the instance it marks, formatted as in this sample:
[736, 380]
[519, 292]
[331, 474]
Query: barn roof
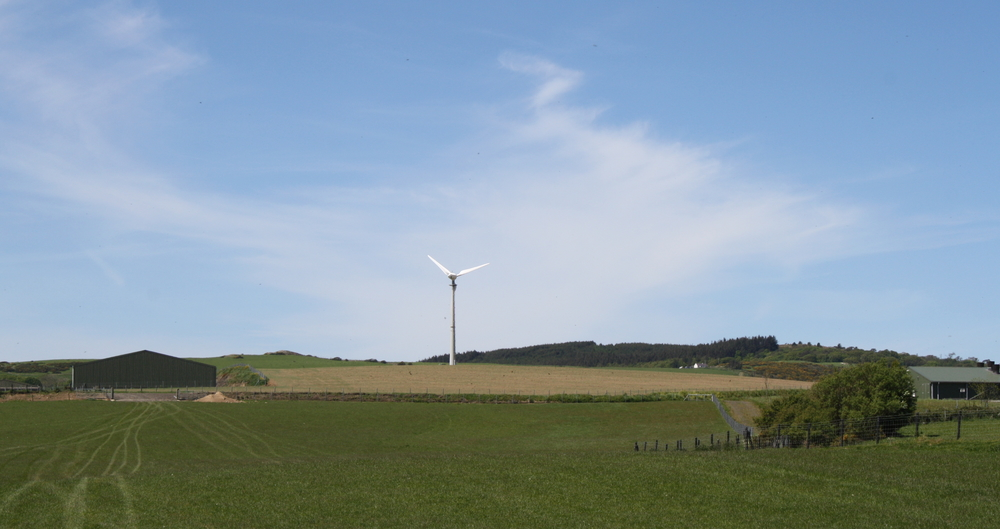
[956, 374]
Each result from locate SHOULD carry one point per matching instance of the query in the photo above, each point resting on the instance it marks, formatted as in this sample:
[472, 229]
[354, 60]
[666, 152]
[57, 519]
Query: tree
[865, 390]
[984, 391]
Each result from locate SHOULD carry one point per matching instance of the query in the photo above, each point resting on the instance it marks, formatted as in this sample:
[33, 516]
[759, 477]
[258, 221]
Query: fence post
[917, 422]
[842, 431]
[878, 429]
[958, 434]
[809, 429]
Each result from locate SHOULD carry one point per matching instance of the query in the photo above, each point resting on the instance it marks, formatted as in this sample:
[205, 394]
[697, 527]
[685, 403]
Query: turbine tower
[452, 275]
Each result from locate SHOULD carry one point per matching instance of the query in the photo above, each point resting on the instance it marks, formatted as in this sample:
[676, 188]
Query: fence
[733, 423]
[18, 387]
[427, 396]
[930, 427]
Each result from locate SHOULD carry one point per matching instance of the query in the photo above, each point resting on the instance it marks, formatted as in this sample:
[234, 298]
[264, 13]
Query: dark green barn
[143, 369]
[955, 382]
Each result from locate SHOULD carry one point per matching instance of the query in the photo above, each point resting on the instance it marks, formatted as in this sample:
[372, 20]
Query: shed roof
[146, 353]
[956, 374]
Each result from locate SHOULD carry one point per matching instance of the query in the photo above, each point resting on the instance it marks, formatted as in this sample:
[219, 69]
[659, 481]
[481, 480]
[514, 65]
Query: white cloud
[78, 66]
[556, 80]
[577, 217]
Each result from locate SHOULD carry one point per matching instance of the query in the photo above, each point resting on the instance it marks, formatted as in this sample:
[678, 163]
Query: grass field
[495, 378]
[309, 464]
[280, 362]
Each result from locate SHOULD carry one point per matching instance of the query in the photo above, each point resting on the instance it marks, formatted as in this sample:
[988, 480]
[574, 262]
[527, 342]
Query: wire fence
[747, 430]
[928, 427]
[18, 387]
[428, 396]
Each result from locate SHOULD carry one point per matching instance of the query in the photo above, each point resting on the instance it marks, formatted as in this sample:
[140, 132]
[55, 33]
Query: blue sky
[207, 178]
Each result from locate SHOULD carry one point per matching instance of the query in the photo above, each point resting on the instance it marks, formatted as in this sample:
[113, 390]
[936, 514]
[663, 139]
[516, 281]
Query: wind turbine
[452, 275]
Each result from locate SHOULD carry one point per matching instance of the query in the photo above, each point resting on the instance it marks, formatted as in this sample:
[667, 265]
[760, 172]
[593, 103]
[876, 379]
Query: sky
[208, 178]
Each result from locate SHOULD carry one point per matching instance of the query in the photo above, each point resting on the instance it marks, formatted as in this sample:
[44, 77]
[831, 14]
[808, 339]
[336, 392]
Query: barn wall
[143, 369]
[921, 385]
[953, 390]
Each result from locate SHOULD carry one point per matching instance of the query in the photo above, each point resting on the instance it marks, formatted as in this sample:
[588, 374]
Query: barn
[956, 382]
[143, 369]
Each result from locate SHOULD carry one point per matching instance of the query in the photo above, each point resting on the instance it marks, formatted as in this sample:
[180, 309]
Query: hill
[729, 353]
[854, 355]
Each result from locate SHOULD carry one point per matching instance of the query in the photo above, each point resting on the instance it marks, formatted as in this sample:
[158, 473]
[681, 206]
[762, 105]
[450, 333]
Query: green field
[280, 361]
[295, 464]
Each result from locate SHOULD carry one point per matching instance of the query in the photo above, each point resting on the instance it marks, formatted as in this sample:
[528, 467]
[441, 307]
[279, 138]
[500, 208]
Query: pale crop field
[526, 380]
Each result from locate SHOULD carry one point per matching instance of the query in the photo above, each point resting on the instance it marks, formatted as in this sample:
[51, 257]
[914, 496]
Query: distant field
[494, 378]
[331, 464]
[280, 362]
[744, 411]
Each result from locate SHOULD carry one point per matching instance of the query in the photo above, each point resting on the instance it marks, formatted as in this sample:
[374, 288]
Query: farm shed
[954, 382]
[143, 369]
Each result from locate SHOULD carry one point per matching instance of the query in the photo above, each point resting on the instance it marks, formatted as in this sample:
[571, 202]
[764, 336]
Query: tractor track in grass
[232, 425]
[227, 438]
[60, 468]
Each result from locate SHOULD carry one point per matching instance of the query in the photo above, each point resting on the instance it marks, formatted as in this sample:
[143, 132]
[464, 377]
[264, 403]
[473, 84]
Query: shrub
[240, 375]
[867, 390]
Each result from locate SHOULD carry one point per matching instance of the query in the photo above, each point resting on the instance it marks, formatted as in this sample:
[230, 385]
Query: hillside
[853, 355]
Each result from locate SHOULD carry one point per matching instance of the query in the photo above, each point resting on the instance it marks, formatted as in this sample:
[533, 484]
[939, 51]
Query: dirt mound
[216, 397]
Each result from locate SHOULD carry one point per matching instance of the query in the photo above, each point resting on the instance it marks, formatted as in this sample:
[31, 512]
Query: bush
[240, 375]
[867, 390]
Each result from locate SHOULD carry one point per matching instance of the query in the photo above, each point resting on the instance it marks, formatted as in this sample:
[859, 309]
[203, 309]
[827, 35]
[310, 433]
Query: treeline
[591, 354]
[726, 353]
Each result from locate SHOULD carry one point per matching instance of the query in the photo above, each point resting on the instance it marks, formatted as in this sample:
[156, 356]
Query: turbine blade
[443, 269]
[470, 269]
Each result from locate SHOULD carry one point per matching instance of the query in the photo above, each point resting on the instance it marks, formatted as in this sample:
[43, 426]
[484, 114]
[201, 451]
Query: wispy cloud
[578, 217]
[110, 272]
[556, 80]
